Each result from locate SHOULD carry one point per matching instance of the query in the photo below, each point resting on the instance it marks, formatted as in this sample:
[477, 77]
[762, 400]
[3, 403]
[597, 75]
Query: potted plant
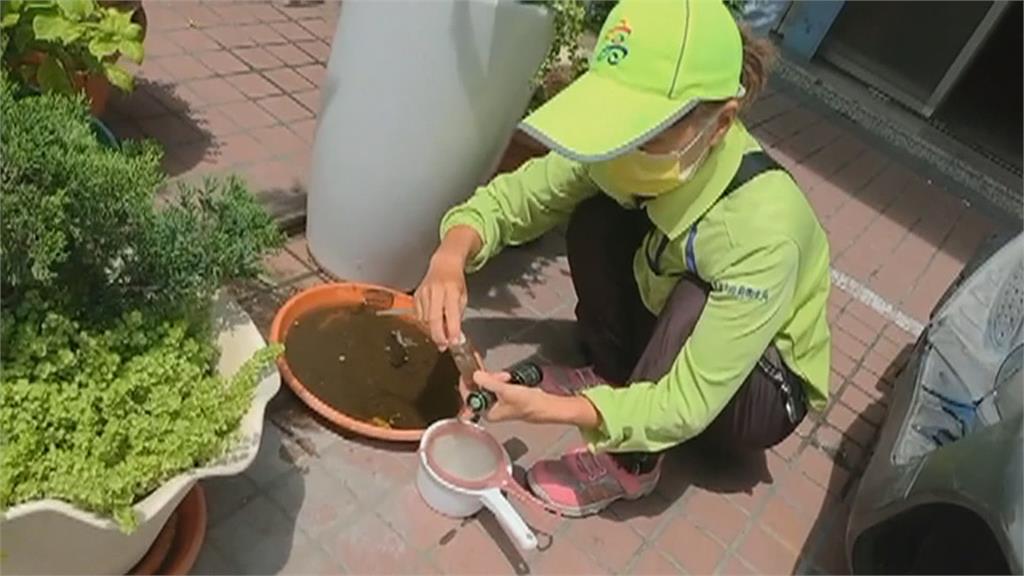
[70, 46]
[565, 61]
[127, 376]
[134, 7]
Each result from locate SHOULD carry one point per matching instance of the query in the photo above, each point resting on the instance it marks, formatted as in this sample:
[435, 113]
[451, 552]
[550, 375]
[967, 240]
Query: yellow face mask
[644, 174]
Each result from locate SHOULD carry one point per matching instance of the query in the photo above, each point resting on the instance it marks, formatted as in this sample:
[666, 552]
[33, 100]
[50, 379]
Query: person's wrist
[544, 408]
[449, 259]
[538, 407]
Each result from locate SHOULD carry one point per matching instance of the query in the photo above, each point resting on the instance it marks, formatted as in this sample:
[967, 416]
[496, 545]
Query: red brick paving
[612, 542]
[766, 554]
[690, 547]
[652, 562]
[715, 514]
[235, 87]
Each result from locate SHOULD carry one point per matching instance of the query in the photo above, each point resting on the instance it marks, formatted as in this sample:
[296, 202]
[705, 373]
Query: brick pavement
[234, 86]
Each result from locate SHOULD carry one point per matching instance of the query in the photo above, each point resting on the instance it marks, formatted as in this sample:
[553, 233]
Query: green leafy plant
[53, 42]
[100, 418]
[597, 13]
[566, 57]
[108, 386]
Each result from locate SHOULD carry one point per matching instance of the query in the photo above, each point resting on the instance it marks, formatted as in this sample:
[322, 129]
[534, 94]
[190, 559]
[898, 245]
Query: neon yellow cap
[655, 60]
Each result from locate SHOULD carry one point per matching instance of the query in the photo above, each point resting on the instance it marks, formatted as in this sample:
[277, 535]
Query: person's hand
[515, 402]
[441, 299]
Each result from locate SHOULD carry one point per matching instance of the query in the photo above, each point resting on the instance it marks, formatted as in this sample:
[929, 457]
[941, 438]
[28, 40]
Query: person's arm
[520, 206]
[512, 209]
[745, 310]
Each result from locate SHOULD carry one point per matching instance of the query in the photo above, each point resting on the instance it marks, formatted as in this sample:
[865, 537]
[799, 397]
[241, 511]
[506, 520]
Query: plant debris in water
[378, 369]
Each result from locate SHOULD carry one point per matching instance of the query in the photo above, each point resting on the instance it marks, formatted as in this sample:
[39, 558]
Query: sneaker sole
[590, 510]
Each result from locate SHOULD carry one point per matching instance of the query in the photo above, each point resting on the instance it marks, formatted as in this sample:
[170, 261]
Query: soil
[379, 369]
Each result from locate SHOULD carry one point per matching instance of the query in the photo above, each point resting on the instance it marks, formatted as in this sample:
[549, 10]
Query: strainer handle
[509, 519]
[541, 516]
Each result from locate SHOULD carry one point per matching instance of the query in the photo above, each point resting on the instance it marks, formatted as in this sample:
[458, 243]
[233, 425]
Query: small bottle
[478, 400]
[465, 358]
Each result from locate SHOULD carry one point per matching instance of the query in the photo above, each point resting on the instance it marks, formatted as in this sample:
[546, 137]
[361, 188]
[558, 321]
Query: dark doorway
[983, 110]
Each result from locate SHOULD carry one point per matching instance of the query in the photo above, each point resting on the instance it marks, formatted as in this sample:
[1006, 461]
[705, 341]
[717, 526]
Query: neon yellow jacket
[761, 248]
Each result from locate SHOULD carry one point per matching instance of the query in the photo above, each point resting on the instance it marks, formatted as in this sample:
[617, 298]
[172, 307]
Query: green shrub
[569, 21]
[80, 226]
[108, 388]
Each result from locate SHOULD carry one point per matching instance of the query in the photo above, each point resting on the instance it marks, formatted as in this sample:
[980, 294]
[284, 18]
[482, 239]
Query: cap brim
[596, 118]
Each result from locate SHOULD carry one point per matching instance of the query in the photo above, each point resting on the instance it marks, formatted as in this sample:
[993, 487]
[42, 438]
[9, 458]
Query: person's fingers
[494, 382]
[435, 319]
[420, 302]
[453, 315]
[497, 415]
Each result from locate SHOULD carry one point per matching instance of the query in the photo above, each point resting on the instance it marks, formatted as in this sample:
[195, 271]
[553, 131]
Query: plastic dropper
[466, 360]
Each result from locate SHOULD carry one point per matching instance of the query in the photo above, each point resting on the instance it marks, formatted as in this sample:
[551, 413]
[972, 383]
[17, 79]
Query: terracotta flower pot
[521, 147]
[94, 85]
[96, 88]
[177, 547]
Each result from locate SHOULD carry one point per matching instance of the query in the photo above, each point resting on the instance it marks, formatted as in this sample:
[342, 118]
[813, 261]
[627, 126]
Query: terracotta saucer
[177, 546]
[339, 294]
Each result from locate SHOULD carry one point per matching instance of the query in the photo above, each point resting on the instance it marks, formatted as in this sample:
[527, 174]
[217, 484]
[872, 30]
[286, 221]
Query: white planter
[419, 102]
[54, 537]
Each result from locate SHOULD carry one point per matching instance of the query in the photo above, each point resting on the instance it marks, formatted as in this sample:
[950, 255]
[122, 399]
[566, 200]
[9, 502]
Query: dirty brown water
[379, 369]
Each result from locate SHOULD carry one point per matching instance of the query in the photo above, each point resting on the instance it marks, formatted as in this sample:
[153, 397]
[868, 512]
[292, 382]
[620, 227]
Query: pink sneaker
[582, 483]
[556, 380]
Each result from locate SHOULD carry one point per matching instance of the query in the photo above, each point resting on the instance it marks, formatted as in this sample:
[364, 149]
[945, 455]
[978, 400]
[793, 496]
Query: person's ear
[726, 116]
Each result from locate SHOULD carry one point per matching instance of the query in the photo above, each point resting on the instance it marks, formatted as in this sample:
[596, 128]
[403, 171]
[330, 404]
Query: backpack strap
[752, 165]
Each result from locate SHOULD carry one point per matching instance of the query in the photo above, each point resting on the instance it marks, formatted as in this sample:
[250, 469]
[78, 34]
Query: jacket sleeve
[746, 308]
[520, 206]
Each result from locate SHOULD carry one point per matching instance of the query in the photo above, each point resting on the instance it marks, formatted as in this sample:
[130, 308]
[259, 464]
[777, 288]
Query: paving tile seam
[822, 144]
[876, 302]
[651, 547]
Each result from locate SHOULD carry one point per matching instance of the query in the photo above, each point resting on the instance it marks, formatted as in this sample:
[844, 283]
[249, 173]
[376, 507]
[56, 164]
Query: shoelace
[591, 466]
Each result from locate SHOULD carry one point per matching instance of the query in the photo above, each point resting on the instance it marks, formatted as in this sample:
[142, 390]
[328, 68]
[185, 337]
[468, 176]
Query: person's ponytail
[758, 57]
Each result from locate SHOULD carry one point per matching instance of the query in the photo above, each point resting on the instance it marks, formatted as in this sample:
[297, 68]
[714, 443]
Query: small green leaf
[132, 50]
[102, 47]
[23, 36]
[53, 78]
[119, 77]
[77, 10]
[117, 22]
[133, 31]
[10, 19]
[53, 28]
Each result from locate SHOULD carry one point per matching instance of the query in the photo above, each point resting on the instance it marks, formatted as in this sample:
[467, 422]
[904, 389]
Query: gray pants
[626, 343]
